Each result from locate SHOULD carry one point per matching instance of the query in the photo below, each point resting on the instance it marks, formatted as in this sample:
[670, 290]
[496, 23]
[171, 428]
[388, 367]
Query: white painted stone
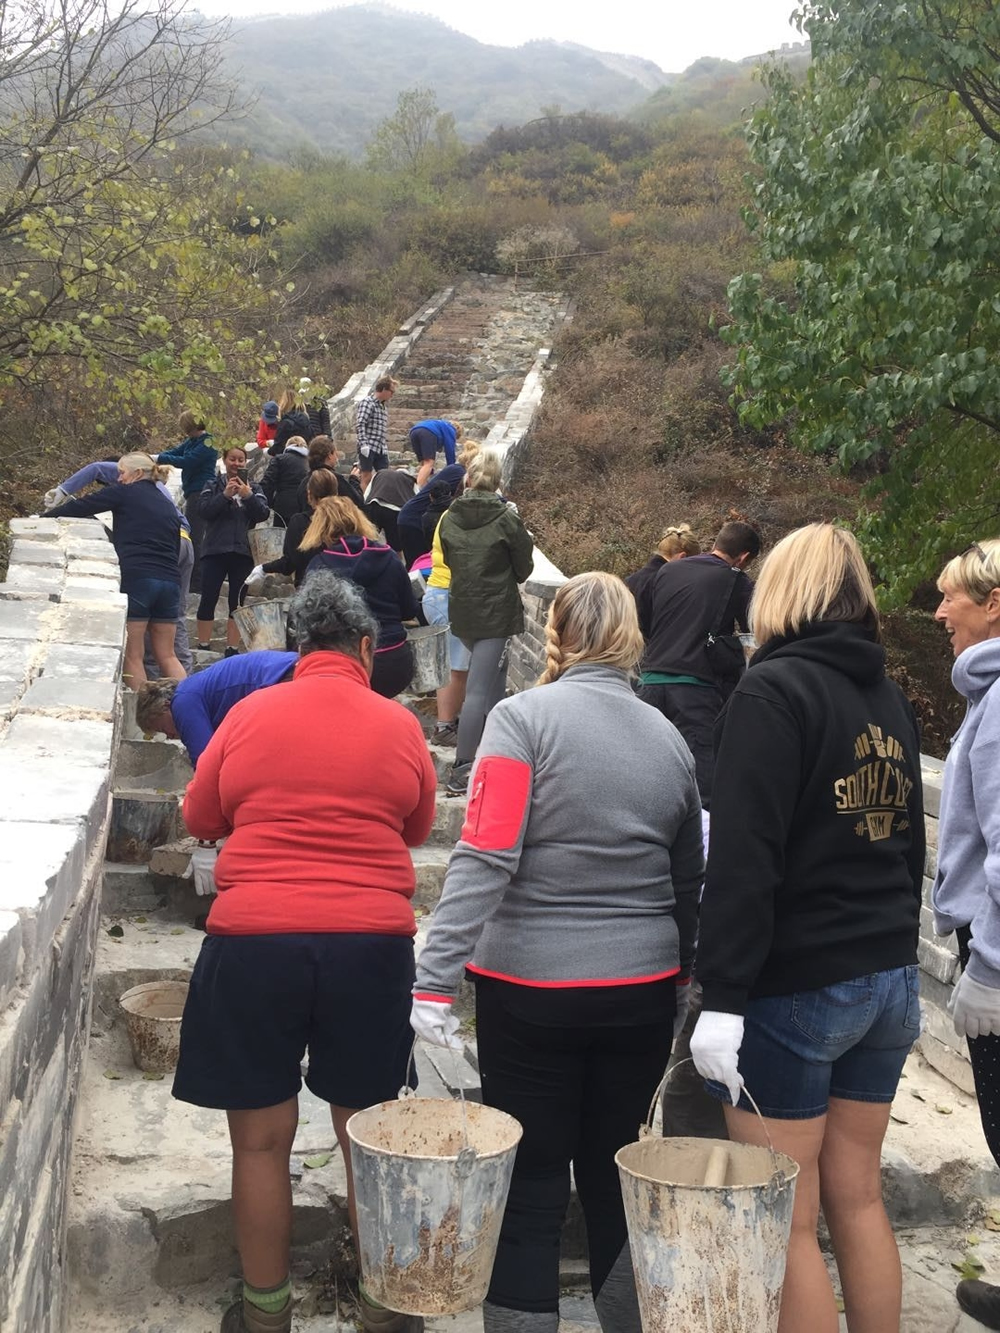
[40, 579]
[38, 529]
[80, 623]
[25, 620]
[78, 662]
[81, 741]
[90, 568]
[41, 869]
[25, 551]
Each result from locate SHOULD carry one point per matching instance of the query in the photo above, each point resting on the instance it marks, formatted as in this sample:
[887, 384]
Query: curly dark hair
[328, 613]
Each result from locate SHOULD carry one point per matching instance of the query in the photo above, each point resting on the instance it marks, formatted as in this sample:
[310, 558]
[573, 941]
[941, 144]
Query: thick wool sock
[269, 1299]
[617, 1303]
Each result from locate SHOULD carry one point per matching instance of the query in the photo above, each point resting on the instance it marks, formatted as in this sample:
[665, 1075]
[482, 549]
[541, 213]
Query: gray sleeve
[487, 855]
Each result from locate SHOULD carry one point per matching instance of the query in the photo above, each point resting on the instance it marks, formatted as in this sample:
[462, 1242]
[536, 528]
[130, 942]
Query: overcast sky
[673, 33]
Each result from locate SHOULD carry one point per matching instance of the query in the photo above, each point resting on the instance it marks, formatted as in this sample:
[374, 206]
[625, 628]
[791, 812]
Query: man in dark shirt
[684, 604]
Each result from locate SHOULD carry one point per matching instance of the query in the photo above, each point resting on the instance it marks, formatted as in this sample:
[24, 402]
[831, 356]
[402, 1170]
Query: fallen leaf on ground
[320, 1159]
[111, 1073]
[115, 932]
[150, 1077]
[943, 1110]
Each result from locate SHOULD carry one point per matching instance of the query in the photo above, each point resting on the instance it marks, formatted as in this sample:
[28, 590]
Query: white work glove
[57, 496]
[683, 1005]
[715, 1049]
[975, 1008]
[433, 1021]
[202, 869]
[256, 577]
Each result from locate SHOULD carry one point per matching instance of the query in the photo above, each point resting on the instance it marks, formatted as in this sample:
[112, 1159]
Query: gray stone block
[79, 623]
[10, 693]
[33, 581]
[48, 791]
[937, 962]
[81, 741]
[16, 658]
[102, 591]
[27, 552]
[37, 529]
[41, 869]
[96, 699]
[25, 619]
[11, 954]
[72, 661]
[80, 567]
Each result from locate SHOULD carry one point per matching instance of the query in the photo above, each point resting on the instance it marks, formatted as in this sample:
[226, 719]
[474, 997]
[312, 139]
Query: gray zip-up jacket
[581, 857]
[967, 886]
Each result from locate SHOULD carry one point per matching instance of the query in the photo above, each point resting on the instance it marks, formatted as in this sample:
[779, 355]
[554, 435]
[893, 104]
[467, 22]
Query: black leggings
[215, 569]
[577, 1067]
[984, 1052]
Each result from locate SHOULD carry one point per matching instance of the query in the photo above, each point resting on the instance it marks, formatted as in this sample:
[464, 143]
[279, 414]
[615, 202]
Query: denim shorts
[157, 600]
[435, 606]
[848, 1040]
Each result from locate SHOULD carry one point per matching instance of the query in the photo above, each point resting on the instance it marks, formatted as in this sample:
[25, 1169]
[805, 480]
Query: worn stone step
[140, 822]
[151, 766]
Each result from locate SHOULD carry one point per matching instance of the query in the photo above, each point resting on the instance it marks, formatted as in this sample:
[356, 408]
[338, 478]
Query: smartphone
[242, 473]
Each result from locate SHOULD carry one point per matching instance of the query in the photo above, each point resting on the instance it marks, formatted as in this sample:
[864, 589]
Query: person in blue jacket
[191, 710]
[410, 523]
[198, 463]
[105, 473]
[427, 439]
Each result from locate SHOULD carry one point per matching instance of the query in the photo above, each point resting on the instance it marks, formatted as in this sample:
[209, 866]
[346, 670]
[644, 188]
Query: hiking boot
[377, 1319]
[246, 1318]
[458, 779]
[445, 734]
[980, 1300]
[231, 652]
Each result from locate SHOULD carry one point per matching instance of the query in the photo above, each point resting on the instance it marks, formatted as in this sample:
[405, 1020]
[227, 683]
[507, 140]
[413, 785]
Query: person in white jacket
[966, 894]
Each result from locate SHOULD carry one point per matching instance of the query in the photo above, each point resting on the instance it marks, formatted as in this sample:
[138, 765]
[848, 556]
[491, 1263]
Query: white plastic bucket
[430, 658]
[428, 1218]
[263, 625]
[707, 1255]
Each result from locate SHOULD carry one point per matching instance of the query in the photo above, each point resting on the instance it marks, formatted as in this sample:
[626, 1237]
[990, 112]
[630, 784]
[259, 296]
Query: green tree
[878, 200]
[417, 139]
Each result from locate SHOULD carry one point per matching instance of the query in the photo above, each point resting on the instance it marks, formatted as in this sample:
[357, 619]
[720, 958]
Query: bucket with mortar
[263, 625]
[430, 658]
[708, 1227]
[431, 1180]
[266, 543]
[153, 1021]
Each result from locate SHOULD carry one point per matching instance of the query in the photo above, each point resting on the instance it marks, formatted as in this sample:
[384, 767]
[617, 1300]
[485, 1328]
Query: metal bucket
[430, 658]
[153, 1020]
[266, 544]
[263, 625]
[431, 1179]
[708, 1227]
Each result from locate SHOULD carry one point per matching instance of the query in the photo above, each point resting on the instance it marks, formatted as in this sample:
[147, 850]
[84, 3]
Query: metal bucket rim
[784, 1169]
[477, 1108]
[143, 989]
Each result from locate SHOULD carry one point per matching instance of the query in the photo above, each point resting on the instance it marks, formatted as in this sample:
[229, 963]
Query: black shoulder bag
[725, 651]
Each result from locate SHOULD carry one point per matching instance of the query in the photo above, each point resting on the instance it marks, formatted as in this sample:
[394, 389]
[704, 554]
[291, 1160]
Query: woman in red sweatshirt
[310, 940]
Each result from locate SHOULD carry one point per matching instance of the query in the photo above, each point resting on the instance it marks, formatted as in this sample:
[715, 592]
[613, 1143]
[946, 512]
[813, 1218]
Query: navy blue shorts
[374, 461]
[258, 1003]
[424, 443]
[848, 1040]
[157, 600]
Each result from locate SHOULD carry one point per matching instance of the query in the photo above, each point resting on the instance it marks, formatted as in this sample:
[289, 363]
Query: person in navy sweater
[347, 545]
[198, 462]
[410, 523]
[146, 534]
[230, 507]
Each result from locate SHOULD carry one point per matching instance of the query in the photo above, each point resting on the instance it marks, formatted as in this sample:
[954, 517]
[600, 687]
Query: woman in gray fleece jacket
[572, 899]
[966, 893]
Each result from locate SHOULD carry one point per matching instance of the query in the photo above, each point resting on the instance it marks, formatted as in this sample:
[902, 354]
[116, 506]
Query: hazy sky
[673, 33]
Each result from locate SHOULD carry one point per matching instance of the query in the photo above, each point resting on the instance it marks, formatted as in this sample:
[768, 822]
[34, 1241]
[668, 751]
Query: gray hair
[329, 613]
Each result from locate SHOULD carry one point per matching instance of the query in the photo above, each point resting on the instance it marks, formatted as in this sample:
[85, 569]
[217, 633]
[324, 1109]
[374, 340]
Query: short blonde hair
[484, 471]
[678, 540]
[144, 463]
[592, 619]
[976, 572]
[815, 573]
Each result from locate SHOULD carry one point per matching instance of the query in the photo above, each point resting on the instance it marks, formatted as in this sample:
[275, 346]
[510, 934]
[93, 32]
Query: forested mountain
[326, 80]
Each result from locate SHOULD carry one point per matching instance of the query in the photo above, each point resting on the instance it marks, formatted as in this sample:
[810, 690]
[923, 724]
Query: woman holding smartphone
[230, 506]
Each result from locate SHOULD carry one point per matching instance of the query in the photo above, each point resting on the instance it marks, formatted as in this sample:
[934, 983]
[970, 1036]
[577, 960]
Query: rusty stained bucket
[431, 1179]
[153, 1021]
[431, 669]
[263, 625]
[707, 1255]
[266, 543]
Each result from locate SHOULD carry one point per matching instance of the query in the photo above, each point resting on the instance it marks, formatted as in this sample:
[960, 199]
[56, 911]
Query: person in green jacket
[489, 552]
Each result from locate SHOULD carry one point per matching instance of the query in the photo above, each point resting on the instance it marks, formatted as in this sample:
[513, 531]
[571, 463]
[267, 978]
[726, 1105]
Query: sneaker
[246, 1318]
[980, 1300]
[445, 733]
[232, 652]
[378, 1319]
[458, 779]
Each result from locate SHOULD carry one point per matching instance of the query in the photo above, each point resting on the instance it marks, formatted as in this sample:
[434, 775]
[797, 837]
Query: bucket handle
[646, 1128]
[466, 1160]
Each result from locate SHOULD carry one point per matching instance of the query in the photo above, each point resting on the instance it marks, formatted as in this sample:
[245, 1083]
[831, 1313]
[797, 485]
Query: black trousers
[984, 1052]
[215, 570]
[192, 512]
[577, 1067]
[693, 710]
[393, 671]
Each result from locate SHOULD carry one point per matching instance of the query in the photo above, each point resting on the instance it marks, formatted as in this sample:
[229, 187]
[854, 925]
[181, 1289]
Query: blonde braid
[554, 656]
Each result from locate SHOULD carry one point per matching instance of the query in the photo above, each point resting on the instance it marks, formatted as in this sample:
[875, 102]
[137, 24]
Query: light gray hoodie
[967, 887]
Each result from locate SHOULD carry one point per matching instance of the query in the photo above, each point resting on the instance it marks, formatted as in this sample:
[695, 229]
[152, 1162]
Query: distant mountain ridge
[326, 80]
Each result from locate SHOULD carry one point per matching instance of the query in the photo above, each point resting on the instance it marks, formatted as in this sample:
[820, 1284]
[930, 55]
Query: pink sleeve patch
[499, 800]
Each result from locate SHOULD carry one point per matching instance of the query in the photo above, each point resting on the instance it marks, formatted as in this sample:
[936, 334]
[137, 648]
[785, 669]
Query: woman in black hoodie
[808, 939]
[294, 420]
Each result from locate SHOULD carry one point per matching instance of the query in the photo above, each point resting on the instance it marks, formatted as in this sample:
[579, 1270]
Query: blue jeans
[849, 1040]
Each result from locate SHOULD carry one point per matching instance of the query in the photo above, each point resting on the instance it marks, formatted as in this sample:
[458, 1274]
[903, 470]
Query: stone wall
[939, 1043]
[527, 651]
[61, 630]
